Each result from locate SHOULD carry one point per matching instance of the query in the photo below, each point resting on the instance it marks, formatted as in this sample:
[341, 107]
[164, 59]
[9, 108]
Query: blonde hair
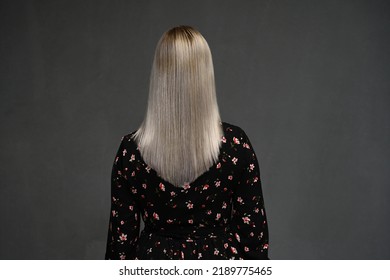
[180, 136]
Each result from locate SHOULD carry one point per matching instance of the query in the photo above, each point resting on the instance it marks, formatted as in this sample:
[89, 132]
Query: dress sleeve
[249, 221]
[124, 222]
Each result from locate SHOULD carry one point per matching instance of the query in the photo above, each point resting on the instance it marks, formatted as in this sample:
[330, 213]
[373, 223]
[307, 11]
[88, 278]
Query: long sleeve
[249, 221]
[124, 222]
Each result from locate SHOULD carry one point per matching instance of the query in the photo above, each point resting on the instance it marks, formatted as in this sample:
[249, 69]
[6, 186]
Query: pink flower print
[199, 255]
[225, 245]
[209, 212]
[173, 193]
[251, 234]
[144, 186]
[131, 207]
[122, 222]
[234, 160]
[236, 141]
[262, 211]
[162, 187]
[256, 210]
[218, 183]
[122, 256]
[155, 216]
[265, 246]
[186, 186]
[114, 213]
[133, 174]
[124, 152]
[133, 190]
[218, 165]
[245, 145]
[190, 221]
[190, 205]
[251, 166]
[230, 177]
[218, 216]
[216, 251]
[224, 205]
[246, 249]
[182, 254]
[239, 200]
[116, 159]
[246, 220]
[169, 221]
[237, 237]
[132, 157]
[205, 187]
[255, 179]
[147, 169]
[123, 237]
[234, 250]
[223, 139]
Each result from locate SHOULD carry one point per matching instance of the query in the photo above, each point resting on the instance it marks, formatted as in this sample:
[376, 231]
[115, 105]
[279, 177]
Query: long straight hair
[180, 136]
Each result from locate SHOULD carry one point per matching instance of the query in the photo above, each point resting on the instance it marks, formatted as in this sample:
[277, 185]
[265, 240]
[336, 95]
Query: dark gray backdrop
[307, 80]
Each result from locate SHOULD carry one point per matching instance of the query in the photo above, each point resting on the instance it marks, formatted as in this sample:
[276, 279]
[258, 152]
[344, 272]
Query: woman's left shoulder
[128, 140]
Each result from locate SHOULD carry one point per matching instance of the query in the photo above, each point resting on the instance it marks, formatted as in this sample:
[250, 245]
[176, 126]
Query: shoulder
[127, 141]
[238, 142]
[234, 132]
[129, 136]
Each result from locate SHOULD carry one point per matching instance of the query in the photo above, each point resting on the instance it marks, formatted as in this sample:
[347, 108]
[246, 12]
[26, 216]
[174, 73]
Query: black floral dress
[220, 215]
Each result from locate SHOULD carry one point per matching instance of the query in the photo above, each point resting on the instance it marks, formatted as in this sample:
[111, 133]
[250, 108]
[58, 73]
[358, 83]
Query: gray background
[307, 80]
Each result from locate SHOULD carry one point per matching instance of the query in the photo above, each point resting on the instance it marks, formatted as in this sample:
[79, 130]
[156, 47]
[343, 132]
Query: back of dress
[220, 215]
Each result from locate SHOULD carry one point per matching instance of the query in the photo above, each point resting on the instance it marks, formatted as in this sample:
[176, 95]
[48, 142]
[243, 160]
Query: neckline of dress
[165, 182]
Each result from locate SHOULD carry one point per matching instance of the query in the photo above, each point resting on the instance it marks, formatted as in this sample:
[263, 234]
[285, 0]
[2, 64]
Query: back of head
[180, 134]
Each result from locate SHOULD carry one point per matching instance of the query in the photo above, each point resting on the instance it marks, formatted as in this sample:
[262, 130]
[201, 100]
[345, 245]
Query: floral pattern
[220, 215]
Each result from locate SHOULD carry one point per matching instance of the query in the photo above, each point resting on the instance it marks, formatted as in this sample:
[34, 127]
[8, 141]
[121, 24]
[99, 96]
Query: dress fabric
[220, 215]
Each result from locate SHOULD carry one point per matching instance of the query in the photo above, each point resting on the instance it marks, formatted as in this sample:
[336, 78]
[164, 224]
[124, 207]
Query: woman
[194, 179]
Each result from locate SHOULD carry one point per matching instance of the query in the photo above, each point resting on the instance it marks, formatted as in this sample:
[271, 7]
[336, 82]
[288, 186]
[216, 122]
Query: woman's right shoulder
[233, 131]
